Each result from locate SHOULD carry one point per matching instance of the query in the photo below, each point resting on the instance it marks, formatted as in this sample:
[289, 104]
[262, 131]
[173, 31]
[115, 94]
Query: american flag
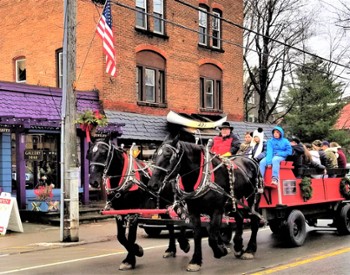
[104, 30]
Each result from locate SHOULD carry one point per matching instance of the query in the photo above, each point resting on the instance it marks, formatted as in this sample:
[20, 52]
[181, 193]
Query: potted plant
[89, 120]
[43, 199]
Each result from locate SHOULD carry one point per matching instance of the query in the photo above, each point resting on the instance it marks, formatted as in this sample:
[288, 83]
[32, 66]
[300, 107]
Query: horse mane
[188, 146]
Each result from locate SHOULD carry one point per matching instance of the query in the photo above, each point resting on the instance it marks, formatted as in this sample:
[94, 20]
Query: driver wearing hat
[226, 143]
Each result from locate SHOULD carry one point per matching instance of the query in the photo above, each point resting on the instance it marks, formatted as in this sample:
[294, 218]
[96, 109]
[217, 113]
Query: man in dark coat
[297, 155]
[226, 143]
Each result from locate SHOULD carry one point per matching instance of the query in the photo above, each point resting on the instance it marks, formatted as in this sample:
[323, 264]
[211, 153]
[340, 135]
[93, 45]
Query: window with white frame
[141, 14]
[203, 26]
[21, 71]
[210, 87]
[59, 68]
[158, 12]
[150, 78]
[251, 118]
[216, 28]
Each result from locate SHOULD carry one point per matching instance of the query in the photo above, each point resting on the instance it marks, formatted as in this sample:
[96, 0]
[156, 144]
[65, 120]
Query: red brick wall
[36, 32]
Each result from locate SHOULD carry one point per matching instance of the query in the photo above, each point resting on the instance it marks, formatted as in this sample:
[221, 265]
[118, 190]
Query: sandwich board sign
[9, 214]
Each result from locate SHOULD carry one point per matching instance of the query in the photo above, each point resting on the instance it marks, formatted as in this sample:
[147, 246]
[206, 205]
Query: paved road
[323, 252]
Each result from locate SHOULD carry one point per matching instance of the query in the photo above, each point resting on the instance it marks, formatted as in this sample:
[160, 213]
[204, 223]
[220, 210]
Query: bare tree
[274, 28]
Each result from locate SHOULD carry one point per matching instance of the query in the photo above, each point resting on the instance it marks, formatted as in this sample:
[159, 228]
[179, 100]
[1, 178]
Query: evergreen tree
[314, 102]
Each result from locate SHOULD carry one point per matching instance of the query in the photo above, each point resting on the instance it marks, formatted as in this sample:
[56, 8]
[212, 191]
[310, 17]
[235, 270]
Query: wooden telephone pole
[69, 223]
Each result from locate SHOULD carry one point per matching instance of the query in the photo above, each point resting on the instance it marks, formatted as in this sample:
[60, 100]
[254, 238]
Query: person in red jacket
[226, 143]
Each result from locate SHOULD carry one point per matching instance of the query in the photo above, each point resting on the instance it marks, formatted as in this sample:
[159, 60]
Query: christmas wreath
[89, 120]
[345, 188]
[306, 188]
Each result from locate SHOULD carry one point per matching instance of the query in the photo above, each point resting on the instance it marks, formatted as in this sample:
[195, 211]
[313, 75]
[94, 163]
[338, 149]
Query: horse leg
[237, 239]
[214, 236]
[183, 241]
[196, 261]
[130, 261]
[252, 245]
[171, 250]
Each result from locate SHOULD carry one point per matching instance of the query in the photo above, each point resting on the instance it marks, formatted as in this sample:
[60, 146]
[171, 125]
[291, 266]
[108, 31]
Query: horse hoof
[139, 251]
[229, 250]
[169, 254]
[247, 256]
[187, 248]
[193, 267]
[126, 266]
[238, 254]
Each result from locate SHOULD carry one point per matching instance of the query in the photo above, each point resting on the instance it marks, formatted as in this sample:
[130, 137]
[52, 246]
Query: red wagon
[295, 202]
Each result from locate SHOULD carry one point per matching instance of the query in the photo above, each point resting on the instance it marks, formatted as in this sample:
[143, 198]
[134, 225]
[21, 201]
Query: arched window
[210, 87]
[150, 78]
[20, 69]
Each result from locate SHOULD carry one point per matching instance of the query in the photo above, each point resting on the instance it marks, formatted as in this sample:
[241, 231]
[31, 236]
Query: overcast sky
[329, 33]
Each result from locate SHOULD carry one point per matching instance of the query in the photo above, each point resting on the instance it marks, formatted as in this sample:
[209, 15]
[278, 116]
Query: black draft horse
[213, 186]
[125, 179]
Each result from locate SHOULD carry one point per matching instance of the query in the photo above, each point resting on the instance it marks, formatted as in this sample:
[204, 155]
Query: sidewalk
[43, 236]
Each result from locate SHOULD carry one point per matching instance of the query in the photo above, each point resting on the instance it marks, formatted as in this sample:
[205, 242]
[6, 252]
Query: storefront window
[41, 160]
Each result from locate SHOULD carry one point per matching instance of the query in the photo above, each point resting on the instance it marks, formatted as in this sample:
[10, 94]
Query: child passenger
[278, 148]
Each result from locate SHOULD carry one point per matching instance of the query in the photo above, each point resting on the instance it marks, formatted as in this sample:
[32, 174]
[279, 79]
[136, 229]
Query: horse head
[165, 162]
[101, 154]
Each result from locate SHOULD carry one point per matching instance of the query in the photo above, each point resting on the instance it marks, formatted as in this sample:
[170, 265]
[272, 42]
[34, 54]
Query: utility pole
[69, 222]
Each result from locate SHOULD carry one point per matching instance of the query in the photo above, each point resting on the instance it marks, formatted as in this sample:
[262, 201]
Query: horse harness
[207, 182]
[129, 175]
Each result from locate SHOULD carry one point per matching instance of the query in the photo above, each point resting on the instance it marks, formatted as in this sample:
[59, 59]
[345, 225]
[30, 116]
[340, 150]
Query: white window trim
[60, 69]
[204, 11]
[144, 10]
[217, 17]
[161, 18]
[211, 93]
[17, 76]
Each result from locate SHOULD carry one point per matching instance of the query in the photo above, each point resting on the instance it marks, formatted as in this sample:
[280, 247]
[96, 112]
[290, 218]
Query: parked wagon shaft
[153, 220]
[295, 202]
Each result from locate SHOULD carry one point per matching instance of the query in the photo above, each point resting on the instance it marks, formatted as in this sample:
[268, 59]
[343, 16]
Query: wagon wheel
[296, 228]
[343, 220]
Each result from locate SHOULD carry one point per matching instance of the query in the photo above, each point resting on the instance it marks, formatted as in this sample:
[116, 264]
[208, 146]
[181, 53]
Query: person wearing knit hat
[258, 145]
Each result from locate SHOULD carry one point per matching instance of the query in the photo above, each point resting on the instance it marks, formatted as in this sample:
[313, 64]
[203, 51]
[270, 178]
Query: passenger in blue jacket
[278, 148]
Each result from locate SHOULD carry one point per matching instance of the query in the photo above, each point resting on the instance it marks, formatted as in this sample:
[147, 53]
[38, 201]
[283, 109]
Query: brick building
[181, 55]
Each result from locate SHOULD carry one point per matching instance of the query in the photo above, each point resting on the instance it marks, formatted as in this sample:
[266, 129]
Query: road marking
[73, 261]
[302, 262]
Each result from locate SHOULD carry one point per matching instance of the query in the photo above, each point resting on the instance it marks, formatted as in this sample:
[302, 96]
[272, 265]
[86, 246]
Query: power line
[265, 36]
[222, 40]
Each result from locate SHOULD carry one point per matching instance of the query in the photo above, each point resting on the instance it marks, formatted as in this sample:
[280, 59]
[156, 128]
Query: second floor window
[210, 93]
[150, 85]
[210, 87]
[21, 71]
[203, 26]
[150, 78]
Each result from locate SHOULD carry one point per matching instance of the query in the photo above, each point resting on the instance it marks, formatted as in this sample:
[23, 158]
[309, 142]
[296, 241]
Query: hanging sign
[9, 214]
[34, 155]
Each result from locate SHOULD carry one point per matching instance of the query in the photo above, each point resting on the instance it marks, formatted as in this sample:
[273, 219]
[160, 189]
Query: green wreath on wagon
[306, 188]
[345, 188]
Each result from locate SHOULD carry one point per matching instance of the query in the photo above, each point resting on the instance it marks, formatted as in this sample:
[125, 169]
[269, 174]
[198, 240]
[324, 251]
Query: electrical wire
[229, 41]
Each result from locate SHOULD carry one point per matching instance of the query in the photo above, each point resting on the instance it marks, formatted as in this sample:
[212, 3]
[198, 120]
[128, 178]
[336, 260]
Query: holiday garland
[306, 188]
[345, 188]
